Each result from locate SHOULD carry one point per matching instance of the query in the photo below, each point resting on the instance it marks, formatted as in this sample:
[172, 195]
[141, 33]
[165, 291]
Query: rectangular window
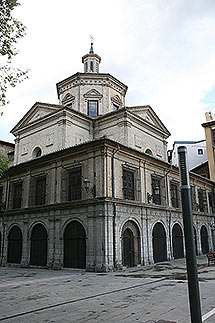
[74, 185]
[156, 190]
[213, 137]
[17, 195]
[40, 198]
[91, 66]
[92, 108]
[86, 67]
[202, 200]
[211, 201]
[200, 151]
[128, 184]
[115, 107]
[174, 195]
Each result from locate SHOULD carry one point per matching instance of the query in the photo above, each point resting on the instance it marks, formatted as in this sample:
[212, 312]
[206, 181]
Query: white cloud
[163, 50]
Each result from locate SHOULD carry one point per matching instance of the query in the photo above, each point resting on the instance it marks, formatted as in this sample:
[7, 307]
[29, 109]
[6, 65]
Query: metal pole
[192, 274]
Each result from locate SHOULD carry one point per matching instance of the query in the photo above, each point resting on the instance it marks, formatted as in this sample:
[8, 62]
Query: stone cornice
[80, 79]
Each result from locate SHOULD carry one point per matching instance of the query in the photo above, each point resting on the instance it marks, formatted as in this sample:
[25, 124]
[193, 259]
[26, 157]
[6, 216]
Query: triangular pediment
[38, 112]
[116, 99]
[148, 114]
[93, 94]
[68, 98]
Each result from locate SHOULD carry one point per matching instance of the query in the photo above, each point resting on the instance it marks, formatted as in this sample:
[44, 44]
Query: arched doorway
[75, 245]
[177, 242]
[159, 243]
[204, 240]
[14, 250]
[195, 240]
[130, 244]
[39, 242]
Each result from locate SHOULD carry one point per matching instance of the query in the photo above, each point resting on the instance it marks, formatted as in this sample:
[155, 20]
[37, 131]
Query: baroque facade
[91, 186]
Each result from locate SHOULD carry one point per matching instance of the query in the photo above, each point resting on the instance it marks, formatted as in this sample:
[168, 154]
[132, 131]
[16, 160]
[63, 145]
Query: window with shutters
[156, 190]
[40, 198]
[211, 201]
[128, 185]
[74, 186]
[174, 192]
[202, 200]
[17, 195]
[193, 198]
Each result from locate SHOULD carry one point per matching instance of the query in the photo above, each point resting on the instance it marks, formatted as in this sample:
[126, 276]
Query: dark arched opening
[177, 242]
[39, 237]
[75, 245]
[130, 244]
[14, 251]
[159, 243]
[204, 240]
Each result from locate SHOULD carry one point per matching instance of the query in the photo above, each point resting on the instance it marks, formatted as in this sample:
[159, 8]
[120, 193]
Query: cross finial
[91, 48]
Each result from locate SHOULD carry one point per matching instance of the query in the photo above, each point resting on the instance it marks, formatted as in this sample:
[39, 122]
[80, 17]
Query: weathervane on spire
[91, 48]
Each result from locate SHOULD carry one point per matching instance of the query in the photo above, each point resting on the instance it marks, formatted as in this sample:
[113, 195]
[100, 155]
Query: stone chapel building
[91, 186]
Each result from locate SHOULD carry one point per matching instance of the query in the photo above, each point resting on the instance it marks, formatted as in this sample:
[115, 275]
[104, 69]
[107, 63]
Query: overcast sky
[163, 50]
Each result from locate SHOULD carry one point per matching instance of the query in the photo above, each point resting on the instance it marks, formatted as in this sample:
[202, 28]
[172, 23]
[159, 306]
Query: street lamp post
[193, 285]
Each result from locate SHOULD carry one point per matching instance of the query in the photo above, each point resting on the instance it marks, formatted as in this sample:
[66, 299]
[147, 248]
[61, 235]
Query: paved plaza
[155, 293]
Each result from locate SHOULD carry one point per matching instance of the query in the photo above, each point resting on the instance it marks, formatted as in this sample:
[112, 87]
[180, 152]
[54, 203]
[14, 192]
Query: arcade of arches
[74, 245]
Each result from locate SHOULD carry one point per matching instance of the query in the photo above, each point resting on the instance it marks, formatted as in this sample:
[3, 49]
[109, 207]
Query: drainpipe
[114, 206]
[170, 213]
[79, 95]
[3, 224]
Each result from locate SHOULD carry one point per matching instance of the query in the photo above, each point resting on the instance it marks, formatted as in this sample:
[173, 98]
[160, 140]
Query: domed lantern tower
[91, 61]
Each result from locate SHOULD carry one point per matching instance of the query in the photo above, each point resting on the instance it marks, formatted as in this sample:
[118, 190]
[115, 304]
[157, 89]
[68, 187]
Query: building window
[37, 152]
[86, 67]
[74, 185]
[128, 184]
[17, 195]
[97, 67]
[156, 190]
[200, 151]
[69, 105]
[211, 201]
[40, 191]
[91, 66]
[174, 195]
[202, 200]
[213, 137]
[92, 108]
[115, 107]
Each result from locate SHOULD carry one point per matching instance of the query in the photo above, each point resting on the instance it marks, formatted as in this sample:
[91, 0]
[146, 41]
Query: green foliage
[3, 164]
[11, 30]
